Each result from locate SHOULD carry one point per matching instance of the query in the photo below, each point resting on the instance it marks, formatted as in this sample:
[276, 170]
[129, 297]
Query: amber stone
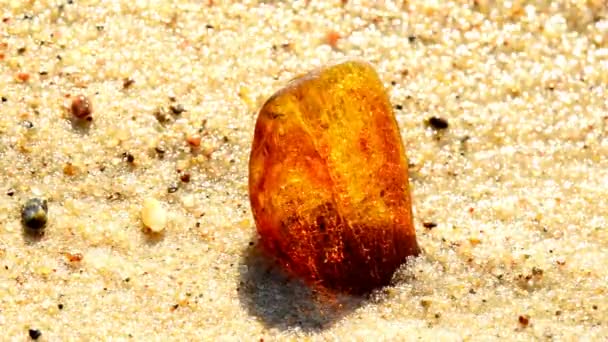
[328, 180]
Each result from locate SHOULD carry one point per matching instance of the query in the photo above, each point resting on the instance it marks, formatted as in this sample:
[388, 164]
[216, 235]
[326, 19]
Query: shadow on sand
[286, 303]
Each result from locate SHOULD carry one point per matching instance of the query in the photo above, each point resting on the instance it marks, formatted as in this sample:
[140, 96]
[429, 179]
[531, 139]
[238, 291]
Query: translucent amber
[328, 180]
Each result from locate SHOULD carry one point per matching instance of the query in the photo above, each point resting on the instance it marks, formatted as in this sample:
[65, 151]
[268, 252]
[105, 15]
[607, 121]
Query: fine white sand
[517, 185]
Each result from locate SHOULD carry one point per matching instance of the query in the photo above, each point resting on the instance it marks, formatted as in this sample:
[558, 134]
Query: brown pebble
[185, 177]
[23, 76]
[194, 140]
[73, 257]
[332, 39]
[69, 169]
[524, 320]
[81, 107]
[127, 83]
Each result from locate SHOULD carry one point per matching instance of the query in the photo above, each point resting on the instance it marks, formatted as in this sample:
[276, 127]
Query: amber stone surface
[328, 180]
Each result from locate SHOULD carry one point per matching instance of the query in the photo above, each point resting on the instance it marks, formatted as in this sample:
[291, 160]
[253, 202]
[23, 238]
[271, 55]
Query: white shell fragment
[153, 215]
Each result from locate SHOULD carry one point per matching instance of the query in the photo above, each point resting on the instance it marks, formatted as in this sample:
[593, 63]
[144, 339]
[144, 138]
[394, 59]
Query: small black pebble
[34, 213]
[128, 157]
[438, 123]
[10, 192]
[172, 189]
[411, 38]
[4, 99]
[429, 225]
[399, 107]
[60, 306]
[34, 334]
[177, 109]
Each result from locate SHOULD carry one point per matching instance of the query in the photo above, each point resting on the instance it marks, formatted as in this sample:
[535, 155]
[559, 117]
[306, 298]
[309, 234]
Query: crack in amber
[328, 180]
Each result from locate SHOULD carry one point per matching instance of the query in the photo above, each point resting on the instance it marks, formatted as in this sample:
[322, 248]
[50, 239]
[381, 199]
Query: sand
[509, 201]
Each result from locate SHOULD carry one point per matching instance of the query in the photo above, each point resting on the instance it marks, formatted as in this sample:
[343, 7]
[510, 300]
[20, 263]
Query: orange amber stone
[328, 180]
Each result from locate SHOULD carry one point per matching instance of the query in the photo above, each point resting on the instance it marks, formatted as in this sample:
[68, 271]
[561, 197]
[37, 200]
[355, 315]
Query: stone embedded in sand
[153, 215]
[328, 180]
[82, 108]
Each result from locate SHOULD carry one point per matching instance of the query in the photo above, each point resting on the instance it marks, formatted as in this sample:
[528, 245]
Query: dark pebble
[35, 334]
[34, 214]
[185, 177]
[160, 152]
[429, 225]
[127, 83]
[438, 123]
[81, 107]
[128, 157]
[524, 320]
[177, 109]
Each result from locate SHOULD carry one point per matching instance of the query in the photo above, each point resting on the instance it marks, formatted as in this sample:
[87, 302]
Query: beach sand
[509, 200]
